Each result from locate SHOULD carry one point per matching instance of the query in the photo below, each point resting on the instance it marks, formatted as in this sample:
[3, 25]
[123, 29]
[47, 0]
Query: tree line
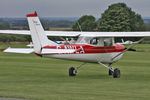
[118, 17]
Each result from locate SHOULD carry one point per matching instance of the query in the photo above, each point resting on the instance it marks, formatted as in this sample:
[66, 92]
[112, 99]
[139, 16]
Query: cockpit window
[108, 42]
[84, 40]
[96, 41]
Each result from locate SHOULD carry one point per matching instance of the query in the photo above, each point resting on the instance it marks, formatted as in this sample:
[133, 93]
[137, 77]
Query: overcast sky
[67, 8]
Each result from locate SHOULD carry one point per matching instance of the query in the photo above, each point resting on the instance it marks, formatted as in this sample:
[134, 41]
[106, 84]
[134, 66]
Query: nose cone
[120, 47]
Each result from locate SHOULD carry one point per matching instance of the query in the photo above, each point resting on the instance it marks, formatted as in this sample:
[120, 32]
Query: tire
[110, 72]
[116, 73]
[72, 71]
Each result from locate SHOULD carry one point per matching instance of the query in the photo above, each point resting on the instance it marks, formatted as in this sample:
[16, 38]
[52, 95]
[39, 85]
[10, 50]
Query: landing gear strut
[115, 72]
[111, 70]
[73, 70]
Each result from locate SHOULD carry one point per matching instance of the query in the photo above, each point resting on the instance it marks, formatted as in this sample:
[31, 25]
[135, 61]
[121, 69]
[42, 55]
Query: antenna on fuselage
[79, 26]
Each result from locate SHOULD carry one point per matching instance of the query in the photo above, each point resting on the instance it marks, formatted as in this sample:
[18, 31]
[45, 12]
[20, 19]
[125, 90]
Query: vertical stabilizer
[38, 35]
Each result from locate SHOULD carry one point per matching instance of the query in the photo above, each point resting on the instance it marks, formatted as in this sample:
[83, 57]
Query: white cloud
[66, 8]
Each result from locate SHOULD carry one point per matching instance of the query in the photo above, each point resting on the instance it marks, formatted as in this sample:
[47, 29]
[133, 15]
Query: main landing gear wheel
[116, 73]
[72, 71]
[110, 72]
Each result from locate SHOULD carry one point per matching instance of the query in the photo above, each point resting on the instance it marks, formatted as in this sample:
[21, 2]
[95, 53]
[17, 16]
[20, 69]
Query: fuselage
[88, 53]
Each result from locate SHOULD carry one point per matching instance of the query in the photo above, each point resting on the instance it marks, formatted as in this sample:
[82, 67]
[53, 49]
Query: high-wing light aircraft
[128, 42]
[94, 47]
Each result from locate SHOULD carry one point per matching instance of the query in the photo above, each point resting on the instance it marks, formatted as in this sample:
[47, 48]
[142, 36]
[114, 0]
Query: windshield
[84, 40]
[96, 41]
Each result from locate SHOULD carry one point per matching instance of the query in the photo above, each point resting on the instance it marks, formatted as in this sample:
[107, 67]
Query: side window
[94, 41]
[108, 42]
[102, 41]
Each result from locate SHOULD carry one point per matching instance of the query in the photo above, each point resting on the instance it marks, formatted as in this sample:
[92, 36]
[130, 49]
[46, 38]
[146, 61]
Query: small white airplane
[128, 42]
[94, 47]
[30, 45]
[58, 42]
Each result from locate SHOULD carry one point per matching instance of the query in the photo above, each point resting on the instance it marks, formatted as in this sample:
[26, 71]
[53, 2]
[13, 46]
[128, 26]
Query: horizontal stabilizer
[17, 32]
[57, 51]
[19, 50]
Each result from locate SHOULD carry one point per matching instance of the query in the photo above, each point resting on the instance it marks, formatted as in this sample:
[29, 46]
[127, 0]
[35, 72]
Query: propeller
[130, 49]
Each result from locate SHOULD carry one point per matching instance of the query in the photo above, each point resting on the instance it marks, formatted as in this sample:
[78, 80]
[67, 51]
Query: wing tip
[32, 15]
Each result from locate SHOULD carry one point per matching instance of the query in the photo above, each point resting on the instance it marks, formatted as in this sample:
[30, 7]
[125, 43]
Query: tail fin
[38, 35]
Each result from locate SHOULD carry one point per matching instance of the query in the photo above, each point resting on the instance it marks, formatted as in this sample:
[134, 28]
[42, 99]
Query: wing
[19, 50]
[116, 34]
[48, 33]
[62, 33]
[98, 34]
[89, 34]
[19, 32]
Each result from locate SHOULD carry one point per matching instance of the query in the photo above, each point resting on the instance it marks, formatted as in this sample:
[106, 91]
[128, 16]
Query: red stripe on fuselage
[90, 48]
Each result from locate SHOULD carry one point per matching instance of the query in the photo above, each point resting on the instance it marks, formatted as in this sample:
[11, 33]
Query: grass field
[32, 77]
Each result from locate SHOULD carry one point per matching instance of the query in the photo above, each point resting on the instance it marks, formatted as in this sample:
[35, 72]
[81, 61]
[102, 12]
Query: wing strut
[132, 45]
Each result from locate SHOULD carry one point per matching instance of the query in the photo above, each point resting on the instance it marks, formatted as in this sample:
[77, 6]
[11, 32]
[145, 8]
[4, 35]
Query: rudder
[38, 35]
